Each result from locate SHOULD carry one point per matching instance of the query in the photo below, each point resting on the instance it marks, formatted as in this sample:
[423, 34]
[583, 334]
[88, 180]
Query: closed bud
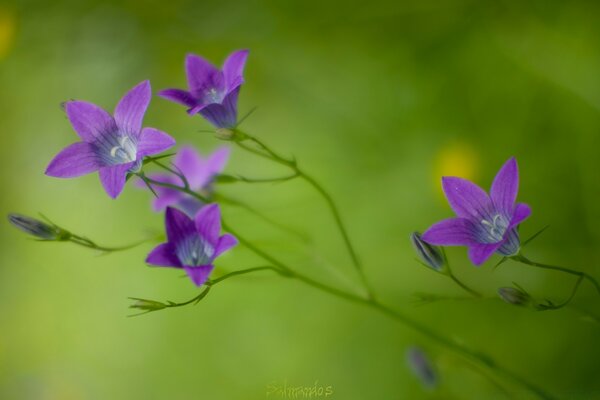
[422, 367]
[37, 228]
[430, 255]
[514, 296]
[147, 305]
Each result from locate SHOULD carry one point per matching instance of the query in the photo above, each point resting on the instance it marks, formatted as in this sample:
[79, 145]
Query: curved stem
[243, 272]
[370, 302]
[272, 155]
[444, 341]
[523, 260]
[85, 242]
[462, 285]
[455, 279]
[227, 200]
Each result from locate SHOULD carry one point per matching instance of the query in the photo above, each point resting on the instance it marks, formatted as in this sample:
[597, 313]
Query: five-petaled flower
[113, 146]
[212, 92]
[199, 173]
[192, 244]
[485, 224]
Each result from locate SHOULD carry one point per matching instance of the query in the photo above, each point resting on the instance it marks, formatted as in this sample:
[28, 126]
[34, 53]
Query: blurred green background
[378, 100]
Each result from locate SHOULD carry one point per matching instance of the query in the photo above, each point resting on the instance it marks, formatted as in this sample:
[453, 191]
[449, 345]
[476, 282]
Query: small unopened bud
[147, 305]
[225, 134]
[37, 228]
[430, 255]
[422, 367]
[514, 296]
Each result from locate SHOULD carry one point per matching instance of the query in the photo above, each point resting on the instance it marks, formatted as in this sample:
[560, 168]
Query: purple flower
[485, 224]
[193, 244]
[113, 146]
[212, 93]
[198, 171]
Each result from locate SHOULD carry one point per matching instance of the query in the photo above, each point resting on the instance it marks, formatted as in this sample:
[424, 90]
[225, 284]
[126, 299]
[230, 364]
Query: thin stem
[85, 242]
[454, 278]
[272, 155]
[523, 260]
[227, 200]
[245, 271]
[370, 302]
[267, 180]
[449, 343]
[462, 285]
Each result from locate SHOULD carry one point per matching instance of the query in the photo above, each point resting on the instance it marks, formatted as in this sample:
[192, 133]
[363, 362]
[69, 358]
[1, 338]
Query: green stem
[449, 343]
[455, 279]
[462, 285]
[272, 155]
[523, 260]
[85, 242]
[370, 302]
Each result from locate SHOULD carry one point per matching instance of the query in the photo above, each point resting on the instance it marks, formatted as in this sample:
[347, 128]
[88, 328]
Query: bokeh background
[378, 100]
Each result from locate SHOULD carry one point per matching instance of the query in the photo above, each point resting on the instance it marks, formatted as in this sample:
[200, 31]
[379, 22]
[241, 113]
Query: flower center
[494, 230]
[123, 152]
[213, 96]
[192, 251]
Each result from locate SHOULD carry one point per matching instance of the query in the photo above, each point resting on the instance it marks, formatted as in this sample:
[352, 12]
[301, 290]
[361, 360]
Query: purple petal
[223, 115]
[505, 187]
[192, 165]
[233, 69]
[202, 75]
[178, 96]
[178, 225]
[466, 199]
[113, 178]
[130, 111]
[153, 141]
[163, 255]
[208, 223]
[218, 159]
[200, 274]
[480, 252]
[225, 243]
[451, 232]
[522, 212]
[74, 160]
[89, 121]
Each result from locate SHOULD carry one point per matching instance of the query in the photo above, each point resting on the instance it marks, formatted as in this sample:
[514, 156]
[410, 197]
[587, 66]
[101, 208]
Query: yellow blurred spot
[8, 25]
[455, 159]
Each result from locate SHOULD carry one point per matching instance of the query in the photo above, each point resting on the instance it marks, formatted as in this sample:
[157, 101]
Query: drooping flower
[192, 244]
[199, 173]
[212, 92]
[113, 146]
[485, 224]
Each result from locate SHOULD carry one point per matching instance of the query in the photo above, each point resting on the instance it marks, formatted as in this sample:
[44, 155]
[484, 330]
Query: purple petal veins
[112, 146]
[212, 92]
[486, 224]
[193, 243]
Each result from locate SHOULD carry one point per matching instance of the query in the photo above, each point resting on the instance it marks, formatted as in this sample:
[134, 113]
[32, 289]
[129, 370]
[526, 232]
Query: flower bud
[147, 305]
[225, 134]
[422, 367]
[430, 255]
[514, 296]
[37, 228]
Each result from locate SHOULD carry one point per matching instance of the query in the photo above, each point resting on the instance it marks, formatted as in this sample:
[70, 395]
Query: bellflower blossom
[113, 146]
[212, 92]
[485, 224]
[192, 244]
[199, 173]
